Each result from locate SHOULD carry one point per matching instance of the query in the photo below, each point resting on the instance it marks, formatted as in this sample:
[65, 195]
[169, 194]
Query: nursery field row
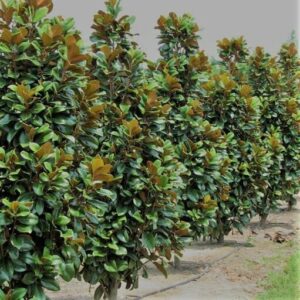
[110, 162]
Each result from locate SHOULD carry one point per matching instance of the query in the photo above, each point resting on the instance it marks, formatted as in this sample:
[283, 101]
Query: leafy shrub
[274, 81]
[130, 213]
[201, 146]
[264, 77]
[238, 112]
[289, 66]
[229, 101]
[261, 73]
[41, 73]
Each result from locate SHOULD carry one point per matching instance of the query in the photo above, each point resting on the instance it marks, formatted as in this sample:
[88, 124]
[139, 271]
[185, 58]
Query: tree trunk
[177, 262]
[221, 238]
[290, 205]
[113, 292]
[263, 220]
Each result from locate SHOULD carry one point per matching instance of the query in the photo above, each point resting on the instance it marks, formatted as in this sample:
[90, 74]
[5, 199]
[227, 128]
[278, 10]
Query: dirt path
[233, 271]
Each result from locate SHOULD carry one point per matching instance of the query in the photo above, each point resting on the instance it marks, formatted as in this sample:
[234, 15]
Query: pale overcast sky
[266, 23]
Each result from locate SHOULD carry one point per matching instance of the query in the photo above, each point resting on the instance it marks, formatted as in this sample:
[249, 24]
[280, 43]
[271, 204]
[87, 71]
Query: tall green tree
[258, 73]
[135, 220]
[230, 103]
[290, 70]
[201, 145]
[265, 79]
[42, 71]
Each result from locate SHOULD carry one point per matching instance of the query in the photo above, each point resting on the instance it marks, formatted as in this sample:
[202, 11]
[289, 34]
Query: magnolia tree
[230, 102]
[259, 74]
[41, 74]
[130, 213]
[234, 107]
[265, 79]
[274, 81]
[211, 120]
[290, 129]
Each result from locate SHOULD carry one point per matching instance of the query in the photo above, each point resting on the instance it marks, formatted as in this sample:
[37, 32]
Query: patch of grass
[284, 285]
[273, 260]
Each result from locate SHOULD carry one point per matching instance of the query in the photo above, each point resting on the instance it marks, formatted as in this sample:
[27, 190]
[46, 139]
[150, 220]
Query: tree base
[290, 205]
[113, 292]
[263, 221]
[176, 262]
[221, 239]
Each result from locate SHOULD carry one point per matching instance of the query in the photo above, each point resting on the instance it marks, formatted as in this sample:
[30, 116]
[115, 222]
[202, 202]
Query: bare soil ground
[208, 271]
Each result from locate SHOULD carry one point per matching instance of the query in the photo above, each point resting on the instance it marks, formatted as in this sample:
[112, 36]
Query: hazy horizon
[267, 23]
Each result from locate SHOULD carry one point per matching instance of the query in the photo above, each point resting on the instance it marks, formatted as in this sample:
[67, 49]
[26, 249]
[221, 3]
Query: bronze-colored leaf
[224, 43]
[74, 53]
[64, 158]
[238, 43]
[100, 170]
[111, 54]
[292, 50]
[44, 150]
[199, 62]
[161, 22]
[168, 253]
[208, 203]
[106, 50]
[224, 193]
[291, 106]
[30, 131]
[54, 33]
[211, 133]
[41, 3]
[56, 30]
[97, 163]
[92, 89]
[133, 127]
[250, 104]
[174, 19]
[6, 36]
[195, 108]
[165, 109]
[161, 268]
[209, 85]
[25, 93]
[152, 100]
[227, 82]
[245, 91]
[259, 51]
[78, 241]
[20, 36]
[15, 206]
[143, 196]
[96, 110]
[192, 145]
[173, 83]
[151, 168]
[274, 142]
[47, 40]
[111, 3]
[196, 28]
[6, 13]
